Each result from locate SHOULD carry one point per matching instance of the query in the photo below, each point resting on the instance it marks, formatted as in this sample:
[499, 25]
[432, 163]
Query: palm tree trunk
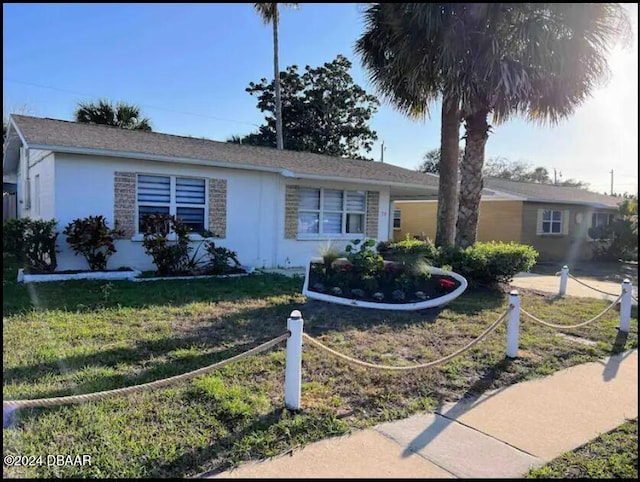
[448, 182]
[477, 133]
[276, 78]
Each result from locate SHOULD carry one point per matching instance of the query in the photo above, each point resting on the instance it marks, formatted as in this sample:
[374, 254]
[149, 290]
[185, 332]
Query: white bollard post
[293, 369]
[625, 306]
[564, 276]
[513, 326]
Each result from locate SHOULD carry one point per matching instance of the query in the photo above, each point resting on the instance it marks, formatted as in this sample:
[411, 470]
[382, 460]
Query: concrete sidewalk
[551, 284]
[500, 434]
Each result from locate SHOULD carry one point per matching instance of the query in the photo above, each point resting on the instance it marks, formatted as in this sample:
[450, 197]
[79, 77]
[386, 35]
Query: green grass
[613, 455]
[85, 336]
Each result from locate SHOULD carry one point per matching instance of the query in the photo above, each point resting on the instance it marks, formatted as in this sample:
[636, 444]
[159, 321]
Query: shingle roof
[551, 193]
[53, 132]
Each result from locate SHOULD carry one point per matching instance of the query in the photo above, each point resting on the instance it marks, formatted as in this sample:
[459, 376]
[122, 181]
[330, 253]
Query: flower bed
[394, 286]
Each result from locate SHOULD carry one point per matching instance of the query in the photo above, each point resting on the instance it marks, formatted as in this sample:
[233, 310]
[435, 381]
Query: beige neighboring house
[554, 220]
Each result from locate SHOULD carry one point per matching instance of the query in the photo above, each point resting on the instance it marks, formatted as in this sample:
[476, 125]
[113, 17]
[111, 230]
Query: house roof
[64, 136]
[530, 191]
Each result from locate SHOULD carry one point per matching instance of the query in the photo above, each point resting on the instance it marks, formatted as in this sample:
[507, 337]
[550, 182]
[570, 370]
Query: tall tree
[103, 112]
[431, 162]
[270, 14]
[324, 111]
[400, 49]
[540, 60]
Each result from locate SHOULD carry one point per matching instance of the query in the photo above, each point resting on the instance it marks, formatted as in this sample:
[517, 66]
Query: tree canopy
[104, 112]
[503, 168]
[323, 111]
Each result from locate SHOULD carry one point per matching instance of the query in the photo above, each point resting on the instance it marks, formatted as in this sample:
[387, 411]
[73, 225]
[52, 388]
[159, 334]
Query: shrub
[13, 237]
[488, 263]
[221, 259]
[409, 247]
[32, 242]
[364, 259]
[169, 256]
[92, 238]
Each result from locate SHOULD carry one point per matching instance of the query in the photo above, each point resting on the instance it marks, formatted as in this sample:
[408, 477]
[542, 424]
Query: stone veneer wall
[218, 207]
[124, 203]
[373, 205]
[291, 212]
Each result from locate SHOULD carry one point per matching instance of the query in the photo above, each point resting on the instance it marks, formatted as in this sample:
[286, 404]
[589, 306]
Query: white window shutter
[566, 217]
[539, 222]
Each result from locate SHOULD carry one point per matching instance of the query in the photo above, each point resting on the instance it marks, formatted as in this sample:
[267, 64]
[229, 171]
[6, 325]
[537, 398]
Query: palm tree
[399, 50]
[540, 60]
[103, 112]
[270, 14]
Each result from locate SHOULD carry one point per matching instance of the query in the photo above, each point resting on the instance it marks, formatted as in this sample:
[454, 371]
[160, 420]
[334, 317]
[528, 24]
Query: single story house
[273, 207]
[555, 220]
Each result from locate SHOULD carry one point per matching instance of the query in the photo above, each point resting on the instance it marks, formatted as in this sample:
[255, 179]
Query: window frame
[610, 217]
[173, 204]
[344, 213]
[551, 222]
[398, 218]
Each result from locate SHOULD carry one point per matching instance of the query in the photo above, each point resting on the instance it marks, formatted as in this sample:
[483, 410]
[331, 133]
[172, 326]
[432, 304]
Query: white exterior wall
[35, 162]
[85, 186]
[297, 252]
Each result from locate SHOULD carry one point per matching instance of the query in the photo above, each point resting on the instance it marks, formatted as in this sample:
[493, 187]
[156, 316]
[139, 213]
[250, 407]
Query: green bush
[13, 237]
[32, 242]
[169, 256]
[409, 247]
[92, 238]
[221, 260]
[364, 259]
[488, 263]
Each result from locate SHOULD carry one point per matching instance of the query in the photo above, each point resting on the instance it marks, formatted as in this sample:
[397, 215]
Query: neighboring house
[274, 207]
[555, 220]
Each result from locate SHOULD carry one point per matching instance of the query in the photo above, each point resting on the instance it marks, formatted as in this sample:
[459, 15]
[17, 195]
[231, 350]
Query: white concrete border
[420, 305]
[114, 276]
[91, 275]
[205, 276]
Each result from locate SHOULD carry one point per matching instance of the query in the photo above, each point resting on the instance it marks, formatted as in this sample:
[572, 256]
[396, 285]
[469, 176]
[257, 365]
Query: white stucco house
[274, 207]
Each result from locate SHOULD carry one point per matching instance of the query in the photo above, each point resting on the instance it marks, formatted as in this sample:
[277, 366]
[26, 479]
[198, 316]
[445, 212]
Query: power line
[147, 106]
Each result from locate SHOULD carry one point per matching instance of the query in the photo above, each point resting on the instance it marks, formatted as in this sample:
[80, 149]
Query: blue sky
[187, 66]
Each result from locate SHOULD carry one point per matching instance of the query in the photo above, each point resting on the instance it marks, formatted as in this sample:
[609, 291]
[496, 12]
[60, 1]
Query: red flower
[446, 284]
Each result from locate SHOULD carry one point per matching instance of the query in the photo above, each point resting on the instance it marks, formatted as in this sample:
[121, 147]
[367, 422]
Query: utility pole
[611, 181]
[382, 152]
[555, 178]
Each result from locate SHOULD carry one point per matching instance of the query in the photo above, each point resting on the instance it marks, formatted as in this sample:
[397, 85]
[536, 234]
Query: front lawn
[86, 336]
[613, 455]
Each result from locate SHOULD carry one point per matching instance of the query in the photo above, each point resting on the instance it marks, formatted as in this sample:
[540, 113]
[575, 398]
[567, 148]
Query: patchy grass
[86, 336]
[613, 455]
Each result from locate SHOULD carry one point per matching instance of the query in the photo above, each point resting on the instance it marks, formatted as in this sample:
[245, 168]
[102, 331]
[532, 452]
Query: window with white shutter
[182, 197]
[330, 212]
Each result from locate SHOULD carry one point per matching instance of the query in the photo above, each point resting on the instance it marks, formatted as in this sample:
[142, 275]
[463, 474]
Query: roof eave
[203, 162]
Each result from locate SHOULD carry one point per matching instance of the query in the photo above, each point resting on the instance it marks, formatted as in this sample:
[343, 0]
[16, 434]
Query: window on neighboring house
[601, 219]
[396, 218]
[551, 222]
[183, 197]
[331, 211]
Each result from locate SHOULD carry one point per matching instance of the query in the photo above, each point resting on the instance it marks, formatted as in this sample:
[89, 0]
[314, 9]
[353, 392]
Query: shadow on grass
[617, 356]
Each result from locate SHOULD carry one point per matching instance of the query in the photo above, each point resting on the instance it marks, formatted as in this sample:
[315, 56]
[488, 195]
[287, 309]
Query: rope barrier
[349, 359]
[591, 287]
[51, 402]
[564, 327]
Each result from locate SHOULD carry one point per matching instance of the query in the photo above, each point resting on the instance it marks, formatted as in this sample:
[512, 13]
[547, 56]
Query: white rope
[563, 327]
[465, 348]
[50, 402]
[591, 287]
